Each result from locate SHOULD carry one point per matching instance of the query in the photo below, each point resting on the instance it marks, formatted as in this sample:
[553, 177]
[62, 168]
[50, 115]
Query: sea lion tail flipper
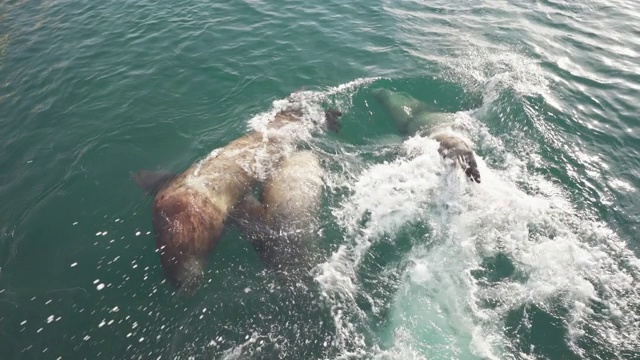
[332, 120]
[152, 181]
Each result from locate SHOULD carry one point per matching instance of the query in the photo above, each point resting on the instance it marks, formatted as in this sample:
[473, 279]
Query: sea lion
[412, 116]
[190, 209]
[282, 226]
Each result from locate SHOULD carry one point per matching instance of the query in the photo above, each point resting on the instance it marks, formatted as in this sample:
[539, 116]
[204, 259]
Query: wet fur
[282, 226]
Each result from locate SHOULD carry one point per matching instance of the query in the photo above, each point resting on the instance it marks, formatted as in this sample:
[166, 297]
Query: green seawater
[539, 261]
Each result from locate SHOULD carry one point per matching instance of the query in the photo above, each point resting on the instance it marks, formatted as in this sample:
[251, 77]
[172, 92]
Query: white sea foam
[310, 102]
[562, 259]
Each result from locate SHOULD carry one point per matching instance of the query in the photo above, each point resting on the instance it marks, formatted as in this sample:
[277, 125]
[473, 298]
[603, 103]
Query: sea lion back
[294, 190]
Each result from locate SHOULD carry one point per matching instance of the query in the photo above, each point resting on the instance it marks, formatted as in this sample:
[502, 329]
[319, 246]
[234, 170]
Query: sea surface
[539, 261]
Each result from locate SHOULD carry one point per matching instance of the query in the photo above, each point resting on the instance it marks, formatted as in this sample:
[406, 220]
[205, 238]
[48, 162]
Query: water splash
[453, 300]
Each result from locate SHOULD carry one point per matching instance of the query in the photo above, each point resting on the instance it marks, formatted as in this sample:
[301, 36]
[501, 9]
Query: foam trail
[449, 303]
[386, 197]
[427, 318]
[564, 259]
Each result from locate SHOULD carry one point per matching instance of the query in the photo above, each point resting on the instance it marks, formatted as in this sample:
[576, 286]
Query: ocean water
[539, 261]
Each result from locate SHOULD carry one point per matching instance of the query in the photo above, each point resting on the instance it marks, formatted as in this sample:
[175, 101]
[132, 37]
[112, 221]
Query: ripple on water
[422, 264]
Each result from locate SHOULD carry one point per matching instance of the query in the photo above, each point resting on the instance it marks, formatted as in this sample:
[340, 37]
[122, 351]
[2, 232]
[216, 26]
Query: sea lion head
[187, 228]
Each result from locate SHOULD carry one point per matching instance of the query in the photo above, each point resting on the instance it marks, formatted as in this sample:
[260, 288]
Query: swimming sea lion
[190, 209]
[412, 117]
[282, 226]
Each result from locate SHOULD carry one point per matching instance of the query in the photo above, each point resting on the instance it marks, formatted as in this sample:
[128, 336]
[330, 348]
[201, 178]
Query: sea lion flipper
[152, 181]
[332, 120]
[470, 166]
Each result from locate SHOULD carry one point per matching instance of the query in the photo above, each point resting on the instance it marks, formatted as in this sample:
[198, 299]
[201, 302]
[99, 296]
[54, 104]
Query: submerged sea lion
[412, 117]
[282, 226]
[190, 209]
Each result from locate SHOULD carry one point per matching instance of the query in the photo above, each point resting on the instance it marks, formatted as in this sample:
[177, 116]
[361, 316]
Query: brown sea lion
[190, 209]
[283, 225]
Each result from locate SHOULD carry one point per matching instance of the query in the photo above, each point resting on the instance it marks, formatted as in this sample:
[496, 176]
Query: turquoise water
[538, 262]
